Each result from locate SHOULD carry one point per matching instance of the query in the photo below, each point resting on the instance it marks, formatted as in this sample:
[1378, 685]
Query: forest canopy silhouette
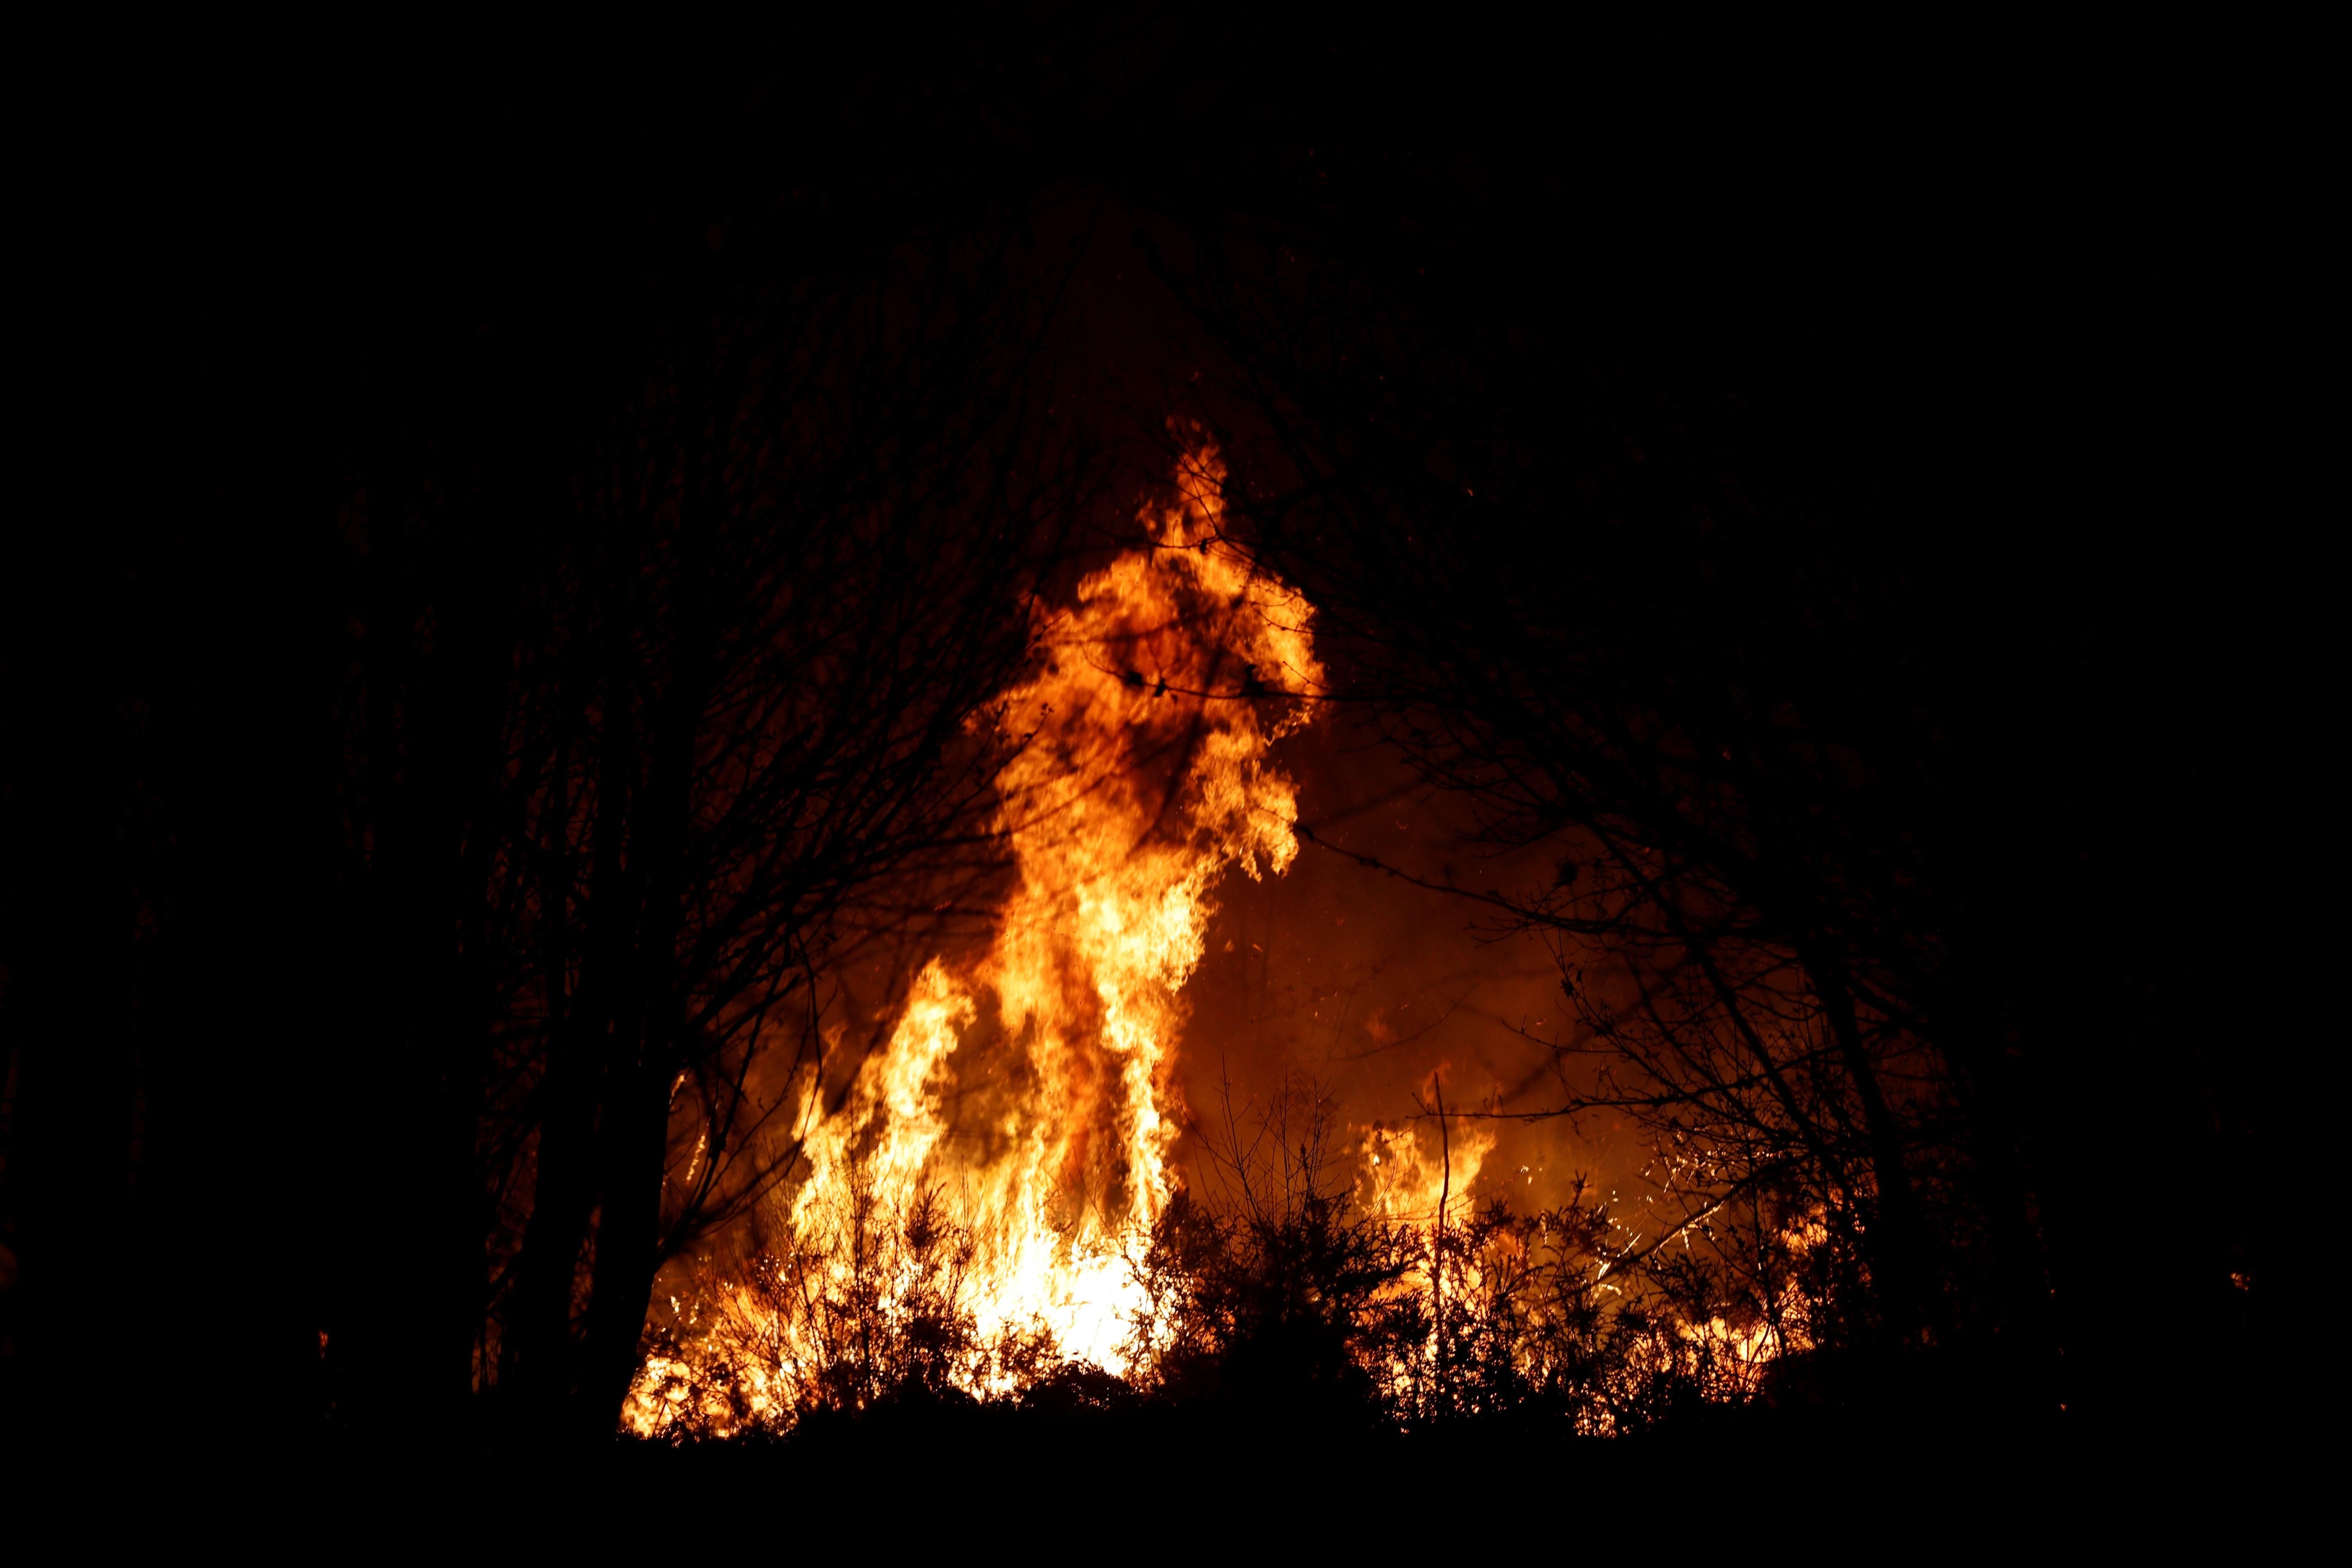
[608, 819]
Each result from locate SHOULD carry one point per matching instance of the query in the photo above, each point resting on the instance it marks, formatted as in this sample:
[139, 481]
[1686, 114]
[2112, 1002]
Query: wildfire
[1404, 1180]
[1145, 778]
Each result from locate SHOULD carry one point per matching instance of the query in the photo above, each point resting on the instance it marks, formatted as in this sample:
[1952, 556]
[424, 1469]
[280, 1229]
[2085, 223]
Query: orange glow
[1145, 781]
[1404, 1180]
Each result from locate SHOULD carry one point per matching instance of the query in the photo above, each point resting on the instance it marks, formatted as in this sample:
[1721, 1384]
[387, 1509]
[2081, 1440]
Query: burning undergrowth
[1287, 1289]
[990, 1208]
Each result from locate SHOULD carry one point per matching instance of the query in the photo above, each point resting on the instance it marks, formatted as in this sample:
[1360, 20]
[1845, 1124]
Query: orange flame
[1145, 779]
[1404, 1181]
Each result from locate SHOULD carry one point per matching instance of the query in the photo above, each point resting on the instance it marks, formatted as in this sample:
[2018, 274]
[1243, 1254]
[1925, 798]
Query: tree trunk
[1906, 1283]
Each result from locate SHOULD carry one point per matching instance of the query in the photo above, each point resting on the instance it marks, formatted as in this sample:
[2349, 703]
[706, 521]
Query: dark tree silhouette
[1796, 733]
[725, 715]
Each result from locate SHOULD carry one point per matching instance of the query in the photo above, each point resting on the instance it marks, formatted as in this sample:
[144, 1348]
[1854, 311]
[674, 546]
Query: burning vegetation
[1101, 726]
[987, 1208]
[995, 1163]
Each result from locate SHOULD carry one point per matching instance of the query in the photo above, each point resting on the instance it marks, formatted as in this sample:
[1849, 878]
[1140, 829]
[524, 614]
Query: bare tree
[651, 729]
[1575, 598]
[800, 583]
